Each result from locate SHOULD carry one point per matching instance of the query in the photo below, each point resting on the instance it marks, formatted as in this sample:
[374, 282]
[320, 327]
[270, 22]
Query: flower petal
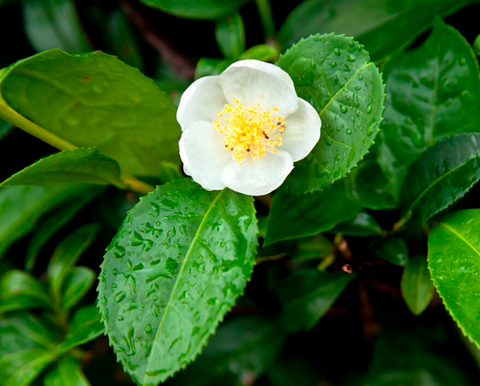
[203, 155]
[302, 131]
[254, 82]
[202, 101]
[258, 177]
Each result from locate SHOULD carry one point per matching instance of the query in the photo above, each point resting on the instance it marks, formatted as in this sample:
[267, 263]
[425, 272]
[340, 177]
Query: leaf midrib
[460, 237]
[184, 263]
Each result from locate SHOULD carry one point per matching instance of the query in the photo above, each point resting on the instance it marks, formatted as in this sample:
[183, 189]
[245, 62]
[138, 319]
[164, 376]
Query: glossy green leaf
[21, 291]
[263, 52]
[432, 91]
[54, 24]
[77, 283]
[67, 167]
[22, 206]
[197, 9]
[453, 256]
[393, 250]
[245, 346]
[335, 75]
[383, 26]
[313, 248]
[66, 372]
[416, 285]
[307, 295]
[363, 224]
[54, 221]
[293, 216]
[177, 265]
[95, 100]
[66, 255]
[230, 35]
[85, 326]
[208, 66]
[440, 176]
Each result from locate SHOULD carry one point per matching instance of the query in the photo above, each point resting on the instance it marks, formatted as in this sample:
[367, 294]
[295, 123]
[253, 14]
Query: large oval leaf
[335, 75]
[176, 266]
[453, 256]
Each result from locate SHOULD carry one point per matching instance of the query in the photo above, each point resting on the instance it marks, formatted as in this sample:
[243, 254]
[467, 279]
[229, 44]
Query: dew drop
[337, 52]
[148, 329]
[333, 64]
[343, 109]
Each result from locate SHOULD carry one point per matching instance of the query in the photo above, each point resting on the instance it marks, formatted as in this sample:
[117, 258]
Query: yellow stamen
[249, 130]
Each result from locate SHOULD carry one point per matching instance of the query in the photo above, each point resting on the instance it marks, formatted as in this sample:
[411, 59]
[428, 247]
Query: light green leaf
[440, 176]
[77, 283]
[208, 66]
[432, 92]
[85, 326]
[453, 256]
[416, 285]
[307, 295]
[54, 24]
[67, 167]
[94, 100]
[383, 26]
[66, 255]
[22, 206]
[21, 291]
[197, 9]
[263, 52]
[177, 265]
[363, 224]
[230, 35]
[335, 75]
[293, 216]
[169, 172]
[66, 372]
[393, 250]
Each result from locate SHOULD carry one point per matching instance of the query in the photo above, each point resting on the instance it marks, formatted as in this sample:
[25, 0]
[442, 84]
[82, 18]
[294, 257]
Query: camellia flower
[245, 128]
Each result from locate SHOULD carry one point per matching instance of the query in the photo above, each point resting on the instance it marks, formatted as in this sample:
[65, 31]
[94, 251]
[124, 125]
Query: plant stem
[265, 12]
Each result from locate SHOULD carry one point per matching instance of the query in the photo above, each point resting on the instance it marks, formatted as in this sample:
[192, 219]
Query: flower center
[249, 130]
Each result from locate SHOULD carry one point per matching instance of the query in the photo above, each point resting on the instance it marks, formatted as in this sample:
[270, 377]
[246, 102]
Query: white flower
[245, 128]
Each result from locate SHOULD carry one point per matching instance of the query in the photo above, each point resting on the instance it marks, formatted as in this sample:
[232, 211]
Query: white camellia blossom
[245, 128]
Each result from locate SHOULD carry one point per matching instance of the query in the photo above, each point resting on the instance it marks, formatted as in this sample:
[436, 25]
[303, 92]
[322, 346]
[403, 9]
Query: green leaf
[177, 265]
[54, 221]
[363, 224]
[54, 24]
[307, 295]
[21, 291]
[293, 216]
[393, 250]
[207, 67]
[66, 372]
[94, 100]
[432, 92]
[77, 283]
[67, 167]
[313, 248]
[440, 176]
[383, 26]
[66, 255]
[245, 346]
[476, 46]
[230, 35]
[169, 172]
[417, 287]
[197, 9]
[335, 75]
[22, 206]
[85, 326]
[5, 128]
[263, 52]
[453, 255]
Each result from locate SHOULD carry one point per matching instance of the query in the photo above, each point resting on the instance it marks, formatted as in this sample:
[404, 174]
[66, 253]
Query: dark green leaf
[77, 283]
[66, 372]
[67, 167]
[417, 287]
[263, 52]
[169, 172]
[393, 250]
[440, 176]
[176, 266]
[230, 35]
[85, 326]
[432, 91]
[313, 248]
[95, 100]
[22, 206]
[54, 24]
[207, 67]
[307, 295]
[293, 216]
[197, 9]
[453, 256]
[476, 45]
[5, 128]
[383, 26]
[335, 75]
[363, 224]
[21, 291]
